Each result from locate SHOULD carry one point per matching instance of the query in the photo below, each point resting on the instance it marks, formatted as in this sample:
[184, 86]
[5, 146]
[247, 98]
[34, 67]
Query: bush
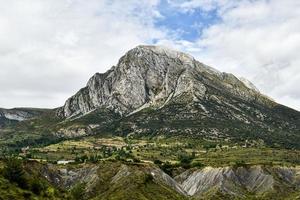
[136, 160]
[78, 191]
[158, 162]
[167, 168]
[14, 172]
[185, 161]
[197, 164]
[148, 178]
[27, 195]
[240, 163]
[37, 187]
[50, 192]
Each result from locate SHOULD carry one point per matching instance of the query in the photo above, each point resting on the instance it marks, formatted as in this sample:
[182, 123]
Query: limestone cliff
[151, 76]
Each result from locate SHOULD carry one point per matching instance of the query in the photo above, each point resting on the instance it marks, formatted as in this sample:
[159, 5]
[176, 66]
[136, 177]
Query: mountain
[158, 125]
[156, 91]
[152, 76]
[8, 116]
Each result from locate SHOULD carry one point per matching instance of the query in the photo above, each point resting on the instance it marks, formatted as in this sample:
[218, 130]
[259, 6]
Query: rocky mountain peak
[151, 76]
[162, 51]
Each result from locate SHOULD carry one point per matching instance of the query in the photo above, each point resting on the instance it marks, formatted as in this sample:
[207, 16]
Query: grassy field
[165, 150]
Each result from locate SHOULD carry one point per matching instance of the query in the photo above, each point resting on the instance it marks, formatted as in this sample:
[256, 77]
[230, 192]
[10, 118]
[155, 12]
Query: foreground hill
[121, 181]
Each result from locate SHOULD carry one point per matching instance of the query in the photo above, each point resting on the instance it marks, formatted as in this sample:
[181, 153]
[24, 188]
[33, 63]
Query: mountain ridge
[161, 71]
[157, 92]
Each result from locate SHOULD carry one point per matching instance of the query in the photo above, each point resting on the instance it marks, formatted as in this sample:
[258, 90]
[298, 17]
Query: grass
[27, 191]
[167, 150]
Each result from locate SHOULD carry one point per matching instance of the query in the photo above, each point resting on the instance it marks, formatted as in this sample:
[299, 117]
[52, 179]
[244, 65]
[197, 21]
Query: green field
[164, 150]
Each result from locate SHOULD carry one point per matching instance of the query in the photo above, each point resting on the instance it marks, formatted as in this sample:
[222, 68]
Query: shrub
[158, 162]
[27, 195]
[240, 163]
[37, 187]
[148, 178]
[185, 160]
[14, 172]
[198, 164]
[167, 168]
[136, 160]
[78, 191]
[50, 192]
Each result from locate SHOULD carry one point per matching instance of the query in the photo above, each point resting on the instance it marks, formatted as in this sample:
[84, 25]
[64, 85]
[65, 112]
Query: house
[64, 162]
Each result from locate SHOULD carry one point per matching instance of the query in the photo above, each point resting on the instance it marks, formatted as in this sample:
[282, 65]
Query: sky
[50, 48]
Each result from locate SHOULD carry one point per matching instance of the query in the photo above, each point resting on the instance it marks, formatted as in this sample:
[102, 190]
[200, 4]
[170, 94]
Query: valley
[171, 151]
[158, 125]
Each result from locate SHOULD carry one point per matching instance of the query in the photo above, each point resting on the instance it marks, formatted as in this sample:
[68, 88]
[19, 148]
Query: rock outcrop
[152, 76]
[233, 182]
[236, 182]
[8, 116]
[16, 114]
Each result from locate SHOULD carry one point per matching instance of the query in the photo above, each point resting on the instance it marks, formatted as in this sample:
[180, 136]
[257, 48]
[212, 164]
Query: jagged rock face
[228, 180]
[15, 114]
[8, 116]
[152, 76]
[237, 182]
[242, 182]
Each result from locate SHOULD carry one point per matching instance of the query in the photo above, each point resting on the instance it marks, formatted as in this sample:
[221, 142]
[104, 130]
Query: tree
[14, 172]
[148, 178]
[167, 168]
[78, 191]
[158, 162]
[185, 160]
[239, 163]
[37, 187]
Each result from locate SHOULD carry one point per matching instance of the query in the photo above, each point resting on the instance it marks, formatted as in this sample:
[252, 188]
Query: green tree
[185, 160]
[78, 191]
[14, 172]
[37, 187]
[158, 162]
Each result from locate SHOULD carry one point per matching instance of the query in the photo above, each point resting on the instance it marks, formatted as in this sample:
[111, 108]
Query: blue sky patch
[187, 25]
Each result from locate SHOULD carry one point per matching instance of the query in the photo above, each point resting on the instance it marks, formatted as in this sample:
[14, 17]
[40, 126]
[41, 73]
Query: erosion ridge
[205, 183]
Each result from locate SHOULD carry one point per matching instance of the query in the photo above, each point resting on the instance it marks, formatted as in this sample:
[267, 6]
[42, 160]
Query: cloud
[259, 40]
[49, 48]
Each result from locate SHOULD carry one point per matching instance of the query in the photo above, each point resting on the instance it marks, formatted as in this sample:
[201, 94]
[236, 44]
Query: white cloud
[49, 48]
[204, 5]
[258, 39]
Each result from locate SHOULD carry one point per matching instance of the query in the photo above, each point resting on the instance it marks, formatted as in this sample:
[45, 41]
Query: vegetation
[164, 139]
[180, 152]
[14, 172]
[17, 182]
[78, 191]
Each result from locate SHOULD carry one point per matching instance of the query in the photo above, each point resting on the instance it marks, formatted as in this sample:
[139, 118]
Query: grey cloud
[49, 48]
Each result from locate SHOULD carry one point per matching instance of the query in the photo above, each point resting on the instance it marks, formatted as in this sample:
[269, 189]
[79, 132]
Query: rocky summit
[151, 76]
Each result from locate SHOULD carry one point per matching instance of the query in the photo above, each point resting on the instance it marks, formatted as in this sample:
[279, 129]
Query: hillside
[119, 181]
[154, 91]
[158, 125]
